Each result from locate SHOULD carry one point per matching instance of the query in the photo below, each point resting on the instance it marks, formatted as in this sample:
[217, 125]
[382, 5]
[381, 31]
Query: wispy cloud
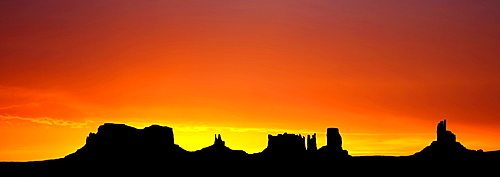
[32, 104]
[48, 121]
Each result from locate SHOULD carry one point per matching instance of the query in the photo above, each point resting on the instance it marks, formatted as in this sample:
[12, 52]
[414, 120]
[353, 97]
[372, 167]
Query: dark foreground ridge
[121, 147]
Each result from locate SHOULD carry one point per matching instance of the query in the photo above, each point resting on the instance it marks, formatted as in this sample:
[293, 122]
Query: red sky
[384, 72]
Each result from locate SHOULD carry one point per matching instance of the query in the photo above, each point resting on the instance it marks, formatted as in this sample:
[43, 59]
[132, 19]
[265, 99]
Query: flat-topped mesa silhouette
[219, 149]
[333, 145]
[445, 145]
[120, 141]
[283, 144]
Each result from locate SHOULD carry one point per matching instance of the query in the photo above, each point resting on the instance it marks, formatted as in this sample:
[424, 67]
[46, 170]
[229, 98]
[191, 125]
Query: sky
[383, 72]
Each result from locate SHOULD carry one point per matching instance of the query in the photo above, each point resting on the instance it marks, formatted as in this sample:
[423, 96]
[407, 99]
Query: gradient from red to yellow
[384, 72]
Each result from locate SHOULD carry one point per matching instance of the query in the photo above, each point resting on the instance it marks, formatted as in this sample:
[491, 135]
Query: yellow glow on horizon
[383, 72]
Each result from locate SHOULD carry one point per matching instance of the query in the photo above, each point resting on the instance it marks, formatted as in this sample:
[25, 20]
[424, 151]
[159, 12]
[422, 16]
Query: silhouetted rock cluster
[285, 144]
[219, 149]
[126, 148]
[119, 141]
[218, 141]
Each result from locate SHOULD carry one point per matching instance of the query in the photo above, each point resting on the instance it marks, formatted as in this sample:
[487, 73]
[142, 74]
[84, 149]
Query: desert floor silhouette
[119, 148]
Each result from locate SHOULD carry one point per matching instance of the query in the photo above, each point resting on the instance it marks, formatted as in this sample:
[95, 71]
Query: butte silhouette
[119, 146]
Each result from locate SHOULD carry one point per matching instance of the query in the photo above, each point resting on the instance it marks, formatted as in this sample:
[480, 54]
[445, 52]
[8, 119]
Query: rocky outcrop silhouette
[219, 149]
[120, 141]
[333, 137]
[333, 145]
[285, 144]
[118, 147]
[444, 135]
[445, 145]
[311, 143]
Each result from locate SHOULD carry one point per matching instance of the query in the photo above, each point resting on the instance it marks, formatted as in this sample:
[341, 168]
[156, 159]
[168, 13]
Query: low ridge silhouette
[153, 148]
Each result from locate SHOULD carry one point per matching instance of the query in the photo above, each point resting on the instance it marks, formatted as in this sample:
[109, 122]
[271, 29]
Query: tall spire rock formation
[219, 149]
[218, 141]
[333, 145]
[445, 145]
[444, 135]
[311, 143]
[333, 137]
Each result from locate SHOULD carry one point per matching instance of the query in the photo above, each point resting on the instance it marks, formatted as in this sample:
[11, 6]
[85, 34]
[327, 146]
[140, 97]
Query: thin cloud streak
[49, 121]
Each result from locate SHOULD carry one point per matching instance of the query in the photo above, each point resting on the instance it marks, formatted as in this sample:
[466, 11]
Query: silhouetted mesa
[445, 144]
[119, 141]
[333, 145]
[118, 147]
[285, 144]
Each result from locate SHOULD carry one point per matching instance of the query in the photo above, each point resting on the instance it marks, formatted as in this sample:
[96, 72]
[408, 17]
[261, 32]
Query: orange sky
[384, 72]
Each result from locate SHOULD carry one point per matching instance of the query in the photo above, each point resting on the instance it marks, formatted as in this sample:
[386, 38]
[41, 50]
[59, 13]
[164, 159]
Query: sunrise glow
[383, 72]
